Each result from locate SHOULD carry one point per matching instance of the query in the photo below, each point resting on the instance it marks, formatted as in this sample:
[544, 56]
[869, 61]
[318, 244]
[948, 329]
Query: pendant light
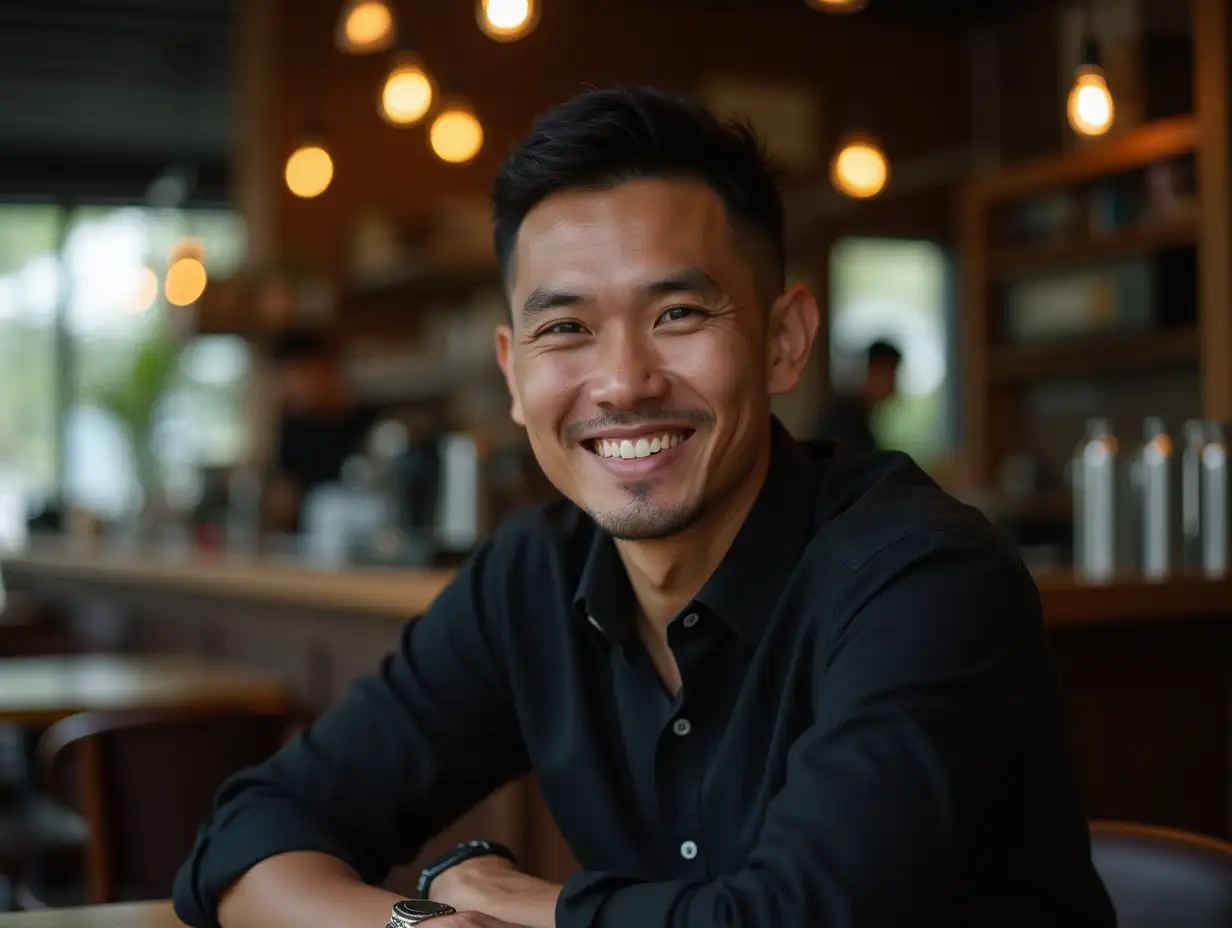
[859, 168]
[1089, 106]
[507, 20]
[309, 168]
[365, 27]
[838, 6]
[408, 91]
[456, 134]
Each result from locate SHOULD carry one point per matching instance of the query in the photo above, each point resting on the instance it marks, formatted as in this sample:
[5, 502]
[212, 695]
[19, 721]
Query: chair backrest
[1160, 876]
[144, 780]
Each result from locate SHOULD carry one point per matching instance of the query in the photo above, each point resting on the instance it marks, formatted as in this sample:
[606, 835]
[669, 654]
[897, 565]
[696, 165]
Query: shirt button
[690, 620]
[682, 727]
[688, 850]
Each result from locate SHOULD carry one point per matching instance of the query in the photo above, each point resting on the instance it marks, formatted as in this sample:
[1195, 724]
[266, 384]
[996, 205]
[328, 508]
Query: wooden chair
[144, 781]
[1161, 876]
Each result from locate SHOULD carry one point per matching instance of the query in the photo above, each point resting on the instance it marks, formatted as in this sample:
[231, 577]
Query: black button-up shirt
[868, 732]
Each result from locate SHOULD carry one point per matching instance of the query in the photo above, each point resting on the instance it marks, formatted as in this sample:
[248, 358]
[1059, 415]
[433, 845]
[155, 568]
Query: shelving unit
[1089, 218]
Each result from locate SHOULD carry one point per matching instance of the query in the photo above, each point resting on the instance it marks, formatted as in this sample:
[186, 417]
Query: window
[898, 290]
[136, 377]
[29, 292]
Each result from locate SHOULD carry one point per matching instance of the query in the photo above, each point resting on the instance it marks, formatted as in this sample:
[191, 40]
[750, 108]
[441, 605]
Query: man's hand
[494, 887]
[471, 920]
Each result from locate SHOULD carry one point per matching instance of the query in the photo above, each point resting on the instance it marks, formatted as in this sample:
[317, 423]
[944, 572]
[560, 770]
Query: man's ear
[791, 330]
[504, 357]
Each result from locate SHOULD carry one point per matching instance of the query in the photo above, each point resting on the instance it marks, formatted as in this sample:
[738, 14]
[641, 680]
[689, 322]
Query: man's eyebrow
[541, 299]
[685, 280]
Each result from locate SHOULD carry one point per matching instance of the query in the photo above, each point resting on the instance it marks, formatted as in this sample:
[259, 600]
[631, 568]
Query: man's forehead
[640, 222]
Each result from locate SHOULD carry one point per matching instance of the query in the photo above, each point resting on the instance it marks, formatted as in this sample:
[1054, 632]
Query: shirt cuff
[606, 900]
[226, 849]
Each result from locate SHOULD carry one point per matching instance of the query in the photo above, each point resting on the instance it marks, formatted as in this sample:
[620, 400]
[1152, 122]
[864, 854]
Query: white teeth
[636, 448]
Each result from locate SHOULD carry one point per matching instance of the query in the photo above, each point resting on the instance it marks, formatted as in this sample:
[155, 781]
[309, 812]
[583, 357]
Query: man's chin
[645, 520]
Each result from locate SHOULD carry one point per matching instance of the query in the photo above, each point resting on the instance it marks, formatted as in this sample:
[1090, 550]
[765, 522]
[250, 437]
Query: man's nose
[628, 370]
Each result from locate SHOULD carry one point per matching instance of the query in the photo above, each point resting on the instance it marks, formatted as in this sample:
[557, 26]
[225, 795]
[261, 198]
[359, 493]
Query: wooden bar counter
[1146, 667]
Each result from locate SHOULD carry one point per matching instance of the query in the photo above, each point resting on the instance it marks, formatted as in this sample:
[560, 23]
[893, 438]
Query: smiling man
[761, 683]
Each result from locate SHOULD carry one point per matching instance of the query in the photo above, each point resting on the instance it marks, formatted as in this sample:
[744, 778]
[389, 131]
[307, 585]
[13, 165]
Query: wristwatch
[468, 850]
[413, 911]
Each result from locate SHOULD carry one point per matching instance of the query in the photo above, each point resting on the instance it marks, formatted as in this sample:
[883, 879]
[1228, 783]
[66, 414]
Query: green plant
[133, 396]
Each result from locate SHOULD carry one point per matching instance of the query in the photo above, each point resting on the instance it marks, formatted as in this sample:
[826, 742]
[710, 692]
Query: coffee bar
[251, 421]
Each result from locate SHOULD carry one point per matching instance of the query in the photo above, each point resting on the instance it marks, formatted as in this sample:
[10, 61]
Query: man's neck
[666, 573]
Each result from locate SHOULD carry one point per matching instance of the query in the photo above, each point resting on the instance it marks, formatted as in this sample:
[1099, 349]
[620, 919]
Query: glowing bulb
[186, 248]
[407, 93]
[365, 26]
[185, 282]
[507, 20]
[1089, 107]
[860, 169]
[456, 135]
[838, 6]
[309, 171]
[146, 290]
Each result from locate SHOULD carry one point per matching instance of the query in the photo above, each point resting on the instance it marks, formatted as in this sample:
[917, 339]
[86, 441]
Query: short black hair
[884, 352]
[606, 137]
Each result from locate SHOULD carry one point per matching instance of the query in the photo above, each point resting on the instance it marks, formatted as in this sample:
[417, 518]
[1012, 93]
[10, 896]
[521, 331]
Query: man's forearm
[495, 887]
[305, 889]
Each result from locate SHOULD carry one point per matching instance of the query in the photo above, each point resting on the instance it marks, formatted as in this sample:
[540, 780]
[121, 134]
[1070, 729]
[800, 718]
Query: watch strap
[468, 850]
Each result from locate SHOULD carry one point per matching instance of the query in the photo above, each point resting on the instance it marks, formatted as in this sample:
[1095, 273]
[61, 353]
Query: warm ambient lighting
[365, 26]
[838, 6]
[456, 135]
[859, 169]
[507, 20]
[309, 171]
[1090, 108]
[146, 290]
[185, 282]
[408, 92]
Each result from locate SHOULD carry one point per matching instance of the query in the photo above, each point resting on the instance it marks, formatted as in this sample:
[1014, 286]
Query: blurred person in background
[847, 419]
[320, 425]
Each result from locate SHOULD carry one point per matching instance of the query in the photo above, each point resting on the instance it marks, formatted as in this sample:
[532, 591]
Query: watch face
[411, 911]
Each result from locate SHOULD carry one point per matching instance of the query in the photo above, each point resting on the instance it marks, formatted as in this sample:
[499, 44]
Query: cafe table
[38, 691]
[117, 915]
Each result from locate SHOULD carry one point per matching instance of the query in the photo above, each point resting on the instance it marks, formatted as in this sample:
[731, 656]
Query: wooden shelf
[1093, 356]
[1122, 243]
[1092, 161]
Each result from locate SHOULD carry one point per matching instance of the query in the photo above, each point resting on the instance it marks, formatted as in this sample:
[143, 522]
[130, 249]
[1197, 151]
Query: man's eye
[677, 313]
[562, 328]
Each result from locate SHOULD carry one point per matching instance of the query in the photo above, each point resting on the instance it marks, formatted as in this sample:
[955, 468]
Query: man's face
[640, 358]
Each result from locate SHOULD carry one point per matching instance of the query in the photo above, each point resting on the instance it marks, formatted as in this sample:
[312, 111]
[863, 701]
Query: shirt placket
[681, 758]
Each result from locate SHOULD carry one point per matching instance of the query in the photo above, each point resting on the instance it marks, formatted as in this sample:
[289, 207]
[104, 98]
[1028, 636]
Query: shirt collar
[745, 587]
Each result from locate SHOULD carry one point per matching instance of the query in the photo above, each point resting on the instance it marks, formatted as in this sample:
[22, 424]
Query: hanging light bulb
[838, 6]
[364, 27]
[408, 92]
[309, 171]
[456, 134]
[859, 168]
[507, 20]
[186, 279]
[1089, 107]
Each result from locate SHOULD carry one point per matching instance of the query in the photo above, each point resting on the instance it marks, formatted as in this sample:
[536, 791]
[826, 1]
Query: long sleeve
[405, 752]
[918, 701]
